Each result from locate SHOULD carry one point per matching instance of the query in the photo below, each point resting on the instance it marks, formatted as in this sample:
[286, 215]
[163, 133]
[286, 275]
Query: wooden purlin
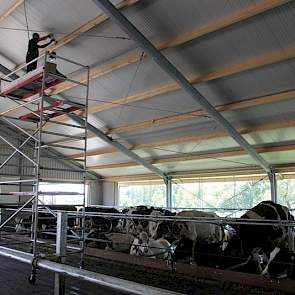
[249, 64]
[201, 156]
[101, 18]
[215, 25]
[192, 138]
[251, 102]
[10, 9]
[199, 174]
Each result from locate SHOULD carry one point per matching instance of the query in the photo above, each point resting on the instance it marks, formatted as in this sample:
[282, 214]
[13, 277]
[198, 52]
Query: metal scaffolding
[38, 108]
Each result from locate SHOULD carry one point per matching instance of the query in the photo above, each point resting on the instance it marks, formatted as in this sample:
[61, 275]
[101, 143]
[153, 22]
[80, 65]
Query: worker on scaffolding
[33, 49]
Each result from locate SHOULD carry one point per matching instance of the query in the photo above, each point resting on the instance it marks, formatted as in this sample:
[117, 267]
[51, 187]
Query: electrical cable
[158, 109]
[145, 107]
[59, 33]
[130, 85]
[200, 141]
[207, 157]
[26, 19]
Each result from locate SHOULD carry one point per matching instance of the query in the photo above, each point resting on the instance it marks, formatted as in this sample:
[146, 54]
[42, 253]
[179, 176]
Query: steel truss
[35, 105]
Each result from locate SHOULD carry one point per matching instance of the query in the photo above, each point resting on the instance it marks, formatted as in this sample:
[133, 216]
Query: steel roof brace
[119, 147]
[113, 143]
[168, 67]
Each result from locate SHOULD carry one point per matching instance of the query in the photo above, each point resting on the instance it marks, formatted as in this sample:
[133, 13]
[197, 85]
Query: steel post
[61, 246]
[273, 186]
[83, 221]
[38, 151]
[168, 183]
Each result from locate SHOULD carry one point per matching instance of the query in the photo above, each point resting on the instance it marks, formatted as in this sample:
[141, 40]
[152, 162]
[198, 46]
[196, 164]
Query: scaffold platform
[30, 84]
[53, 110]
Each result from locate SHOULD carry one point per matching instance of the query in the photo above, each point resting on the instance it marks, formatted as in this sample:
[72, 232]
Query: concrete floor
[14, 281]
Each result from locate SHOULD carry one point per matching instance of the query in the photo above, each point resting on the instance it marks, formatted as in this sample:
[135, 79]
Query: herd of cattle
[159, 233]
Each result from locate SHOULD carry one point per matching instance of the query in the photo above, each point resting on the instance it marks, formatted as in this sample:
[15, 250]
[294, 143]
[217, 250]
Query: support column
[273, 186]
[168, 183]
[61, 246]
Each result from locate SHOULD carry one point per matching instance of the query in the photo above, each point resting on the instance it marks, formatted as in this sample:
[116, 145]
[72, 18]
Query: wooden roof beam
[251, 102]
[10, 9]
[101, 18]
[249, 64]
[192, 138]
[213, 26]
[200, 156]
[215, 173]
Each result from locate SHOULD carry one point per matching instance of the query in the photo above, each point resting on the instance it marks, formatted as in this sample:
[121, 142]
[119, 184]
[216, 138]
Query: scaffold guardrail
[36, 107]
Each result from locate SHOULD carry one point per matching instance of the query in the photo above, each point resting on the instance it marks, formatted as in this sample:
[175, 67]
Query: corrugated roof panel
[162, 20]
[251, 84]
[228, 47]
[285, 136]
[230, 162]
[5, 4]
[167, 18]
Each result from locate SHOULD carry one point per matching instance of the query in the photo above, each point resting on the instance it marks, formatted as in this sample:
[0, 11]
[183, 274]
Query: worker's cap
[36, 35]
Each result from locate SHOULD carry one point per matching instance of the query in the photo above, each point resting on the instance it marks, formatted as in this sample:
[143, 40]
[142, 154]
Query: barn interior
[140, 114]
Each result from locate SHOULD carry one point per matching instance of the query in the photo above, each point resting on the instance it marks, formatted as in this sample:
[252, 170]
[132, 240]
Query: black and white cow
[265, 244]
[46, 219]
[101, 223]
[161, 228]
[97, 225]
[199, 233]
[134, 226]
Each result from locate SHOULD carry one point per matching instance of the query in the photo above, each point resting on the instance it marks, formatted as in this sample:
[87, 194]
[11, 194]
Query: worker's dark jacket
[33, 52]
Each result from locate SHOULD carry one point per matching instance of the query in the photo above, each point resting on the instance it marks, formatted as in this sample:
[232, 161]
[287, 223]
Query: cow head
[154, 225]
[144, 245]
[181, 230]
[140, 245]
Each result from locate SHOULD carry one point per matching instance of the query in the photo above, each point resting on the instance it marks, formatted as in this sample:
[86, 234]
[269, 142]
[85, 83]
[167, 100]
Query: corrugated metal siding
[55, 170]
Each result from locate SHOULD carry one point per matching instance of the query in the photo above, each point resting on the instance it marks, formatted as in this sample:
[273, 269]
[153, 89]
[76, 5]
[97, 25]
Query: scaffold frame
[31, 93]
